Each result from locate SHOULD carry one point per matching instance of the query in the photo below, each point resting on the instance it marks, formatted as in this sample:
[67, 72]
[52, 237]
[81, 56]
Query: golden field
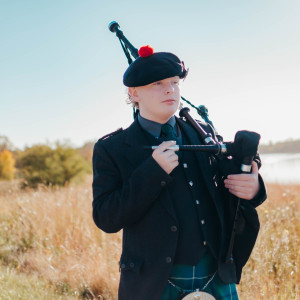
[51, 249]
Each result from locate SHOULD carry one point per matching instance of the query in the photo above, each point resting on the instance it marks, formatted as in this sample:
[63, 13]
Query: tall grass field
[51, 249]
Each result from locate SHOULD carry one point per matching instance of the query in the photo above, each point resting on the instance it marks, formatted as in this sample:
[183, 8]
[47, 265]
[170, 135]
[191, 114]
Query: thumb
[254, 167]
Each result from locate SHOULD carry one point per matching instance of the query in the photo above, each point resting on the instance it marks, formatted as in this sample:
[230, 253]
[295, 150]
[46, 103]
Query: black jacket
[131, 193]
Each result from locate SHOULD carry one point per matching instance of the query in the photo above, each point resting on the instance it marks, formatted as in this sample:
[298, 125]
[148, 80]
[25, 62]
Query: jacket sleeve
[261, 196]
[119, 203]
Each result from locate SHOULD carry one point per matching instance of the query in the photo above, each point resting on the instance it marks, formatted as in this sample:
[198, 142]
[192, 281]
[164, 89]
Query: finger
[241, 195]
[174, 158]
[254, 168]
[164, 145]
[244, 185]
[249, 184]
[242, 180]
[240, 189]
[232, 183]
[176, 164]
[238, 178]
[168, 153]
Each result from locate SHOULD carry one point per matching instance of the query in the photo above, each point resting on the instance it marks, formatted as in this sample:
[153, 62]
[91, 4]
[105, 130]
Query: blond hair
[130, 100]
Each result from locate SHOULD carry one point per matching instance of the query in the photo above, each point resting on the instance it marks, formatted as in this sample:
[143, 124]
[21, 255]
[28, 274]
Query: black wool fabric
[158, 66]
[192, 205]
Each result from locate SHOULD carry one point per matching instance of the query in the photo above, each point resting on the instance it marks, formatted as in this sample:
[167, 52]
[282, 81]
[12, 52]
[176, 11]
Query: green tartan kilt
[190, 278]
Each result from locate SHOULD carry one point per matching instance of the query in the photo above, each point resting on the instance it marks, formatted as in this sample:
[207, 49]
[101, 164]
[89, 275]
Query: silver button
[185, 166]
[168, 259]
[173, 228]
[204, 243]
[216, 184]
[191, 183]
[202, 222]
[197, 202]
[209, 160]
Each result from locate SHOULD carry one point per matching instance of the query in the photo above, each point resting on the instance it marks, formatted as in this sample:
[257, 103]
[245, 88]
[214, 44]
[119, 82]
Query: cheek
[147, 101]
[177, 91]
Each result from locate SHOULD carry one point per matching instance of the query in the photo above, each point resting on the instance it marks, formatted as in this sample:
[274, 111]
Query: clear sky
[61, 68]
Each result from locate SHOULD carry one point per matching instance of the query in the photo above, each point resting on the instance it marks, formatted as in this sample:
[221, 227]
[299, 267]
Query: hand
[167, 159]
[244, 186]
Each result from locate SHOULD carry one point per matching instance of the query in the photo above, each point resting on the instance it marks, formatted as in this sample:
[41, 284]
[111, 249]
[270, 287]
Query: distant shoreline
[289, 146]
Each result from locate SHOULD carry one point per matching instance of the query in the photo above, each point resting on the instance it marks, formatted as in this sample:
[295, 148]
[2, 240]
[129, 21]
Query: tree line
[288, 146]
[58, 164]
[61, 164]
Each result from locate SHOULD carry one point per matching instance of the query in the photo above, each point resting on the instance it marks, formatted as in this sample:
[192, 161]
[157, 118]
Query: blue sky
[61, 68]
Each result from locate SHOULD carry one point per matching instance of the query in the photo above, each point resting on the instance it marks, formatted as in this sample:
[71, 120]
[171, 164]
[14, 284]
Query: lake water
[281, 167]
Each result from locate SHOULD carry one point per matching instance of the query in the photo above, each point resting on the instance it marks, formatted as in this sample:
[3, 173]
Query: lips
[169, 101]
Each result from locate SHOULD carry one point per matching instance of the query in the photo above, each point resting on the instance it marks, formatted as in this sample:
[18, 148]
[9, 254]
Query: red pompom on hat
[146, 51]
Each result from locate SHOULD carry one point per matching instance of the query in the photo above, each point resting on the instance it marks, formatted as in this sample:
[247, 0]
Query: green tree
[41, 164]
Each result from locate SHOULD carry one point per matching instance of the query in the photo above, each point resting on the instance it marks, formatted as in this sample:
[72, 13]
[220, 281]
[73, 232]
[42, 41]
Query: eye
[157, 83]
[176, 82]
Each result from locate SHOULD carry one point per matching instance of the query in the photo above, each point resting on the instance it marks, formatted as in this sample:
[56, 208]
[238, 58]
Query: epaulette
[119, 130]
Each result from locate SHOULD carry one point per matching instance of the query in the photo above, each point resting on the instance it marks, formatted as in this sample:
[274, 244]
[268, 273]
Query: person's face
[159, 100]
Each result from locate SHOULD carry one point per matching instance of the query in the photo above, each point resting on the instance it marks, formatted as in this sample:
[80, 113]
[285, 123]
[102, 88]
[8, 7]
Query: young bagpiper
[172, 206]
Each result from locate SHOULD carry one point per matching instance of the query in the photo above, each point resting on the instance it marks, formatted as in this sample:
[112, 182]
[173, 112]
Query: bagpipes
[242, 150]
[245, 144]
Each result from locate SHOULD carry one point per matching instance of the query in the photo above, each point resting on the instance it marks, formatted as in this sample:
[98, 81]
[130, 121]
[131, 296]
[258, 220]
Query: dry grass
[15, 285]
[273, 269]
[50, 233]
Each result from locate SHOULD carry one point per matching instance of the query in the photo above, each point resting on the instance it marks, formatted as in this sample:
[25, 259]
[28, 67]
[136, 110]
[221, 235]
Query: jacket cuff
[156, 174]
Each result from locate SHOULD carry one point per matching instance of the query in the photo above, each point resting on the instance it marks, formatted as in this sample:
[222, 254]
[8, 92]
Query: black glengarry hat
[150, 67]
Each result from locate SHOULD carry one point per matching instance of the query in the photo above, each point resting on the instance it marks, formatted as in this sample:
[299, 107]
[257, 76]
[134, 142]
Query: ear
[133, 91]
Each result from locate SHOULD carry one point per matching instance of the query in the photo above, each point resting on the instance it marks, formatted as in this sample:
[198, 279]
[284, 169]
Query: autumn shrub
[7, 165]
[42, 164]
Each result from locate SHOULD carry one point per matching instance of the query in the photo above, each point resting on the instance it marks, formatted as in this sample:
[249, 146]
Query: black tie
[167, 132]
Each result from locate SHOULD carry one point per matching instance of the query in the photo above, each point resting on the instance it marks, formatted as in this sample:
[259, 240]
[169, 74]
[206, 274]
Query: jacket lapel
[193, 139]
[204, 164]
[134, 141]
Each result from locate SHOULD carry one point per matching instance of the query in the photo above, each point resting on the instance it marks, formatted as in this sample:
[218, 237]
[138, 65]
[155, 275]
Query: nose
[169, 88]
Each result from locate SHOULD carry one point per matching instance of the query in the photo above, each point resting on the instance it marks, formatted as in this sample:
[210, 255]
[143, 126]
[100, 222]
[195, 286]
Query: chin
[167, 114]
[173, 109]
